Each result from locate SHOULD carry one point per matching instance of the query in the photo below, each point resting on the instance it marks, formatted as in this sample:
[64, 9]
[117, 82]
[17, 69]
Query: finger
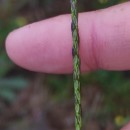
[46, 46]
[127, 127]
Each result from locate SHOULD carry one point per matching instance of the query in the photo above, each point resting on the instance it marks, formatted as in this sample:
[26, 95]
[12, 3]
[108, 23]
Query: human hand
[46, 46]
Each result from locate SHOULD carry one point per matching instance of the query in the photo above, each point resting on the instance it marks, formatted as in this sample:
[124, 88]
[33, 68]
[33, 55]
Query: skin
[45, 46]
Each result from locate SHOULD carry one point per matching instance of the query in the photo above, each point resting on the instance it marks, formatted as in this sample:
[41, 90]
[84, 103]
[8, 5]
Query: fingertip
[16, 49]
[9, 44]
[43, 46]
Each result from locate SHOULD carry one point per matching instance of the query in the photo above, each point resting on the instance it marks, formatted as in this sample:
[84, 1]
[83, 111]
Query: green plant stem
[76, 64]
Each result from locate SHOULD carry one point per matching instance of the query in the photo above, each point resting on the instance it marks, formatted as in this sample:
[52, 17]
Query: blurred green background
[34, 101]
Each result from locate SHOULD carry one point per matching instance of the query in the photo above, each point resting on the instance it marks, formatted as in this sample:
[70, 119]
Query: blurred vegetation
[114, 87]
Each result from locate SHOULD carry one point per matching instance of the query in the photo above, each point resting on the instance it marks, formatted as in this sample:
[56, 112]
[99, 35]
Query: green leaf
[14, 83]
[7, 95]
